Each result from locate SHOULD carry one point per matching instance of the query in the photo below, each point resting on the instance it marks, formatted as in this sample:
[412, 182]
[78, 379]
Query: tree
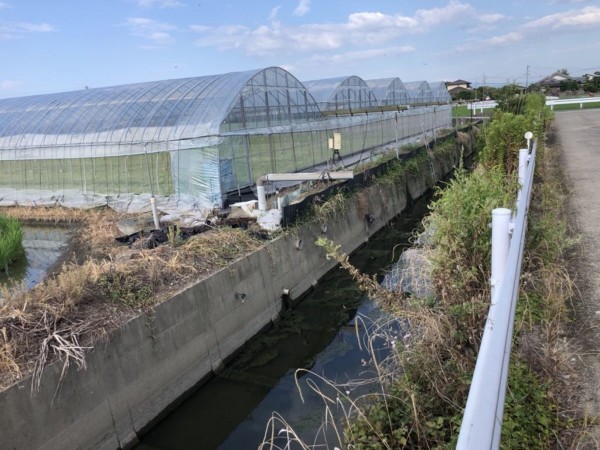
[510, 98]
[592, 85]
[568, 85]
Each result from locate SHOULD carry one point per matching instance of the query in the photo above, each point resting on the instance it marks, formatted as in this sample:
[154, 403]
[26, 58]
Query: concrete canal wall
[154, 359]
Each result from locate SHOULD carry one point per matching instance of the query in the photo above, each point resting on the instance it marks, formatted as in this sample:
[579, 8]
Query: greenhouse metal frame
[188, 142]
[389, 91]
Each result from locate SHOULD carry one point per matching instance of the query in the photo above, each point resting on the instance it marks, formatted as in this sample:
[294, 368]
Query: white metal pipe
[500, 244]
[262, 198]
[482, 420]
[523, 158]
[154, 213]
[296, 176]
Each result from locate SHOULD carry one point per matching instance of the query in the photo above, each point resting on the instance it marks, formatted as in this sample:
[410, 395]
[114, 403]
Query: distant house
[553, 80]
[559, 81]
[458, 84]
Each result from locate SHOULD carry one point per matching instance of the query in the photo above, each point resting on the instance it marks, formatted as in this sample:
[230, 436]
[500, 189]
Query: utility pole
[483, 80]
[527, 77]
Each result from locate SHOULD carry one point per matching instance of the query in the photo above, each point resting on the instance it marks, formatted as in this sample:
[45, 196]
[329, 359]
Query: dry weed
[99, 289]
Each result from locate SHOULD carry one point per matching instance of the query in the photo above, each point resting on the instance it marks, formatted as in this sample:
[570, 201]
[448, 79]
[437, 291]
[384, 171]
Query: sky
[65, 45]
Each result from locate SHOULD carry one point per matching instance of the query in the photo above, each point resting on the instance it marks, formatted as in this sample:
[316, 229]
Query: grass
[422, 406]
[461, 111]
[104, 286]
[11, 241]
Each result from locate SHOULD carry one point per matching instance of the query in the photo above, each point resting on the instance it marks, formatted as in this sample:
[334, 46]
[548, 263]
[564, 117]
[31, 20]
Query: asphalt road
[578, 139]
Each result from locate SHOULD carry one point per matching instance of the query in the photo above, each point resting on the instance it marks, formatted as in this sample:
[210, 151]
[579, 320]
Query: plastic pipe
[297, 176]
[154, 213]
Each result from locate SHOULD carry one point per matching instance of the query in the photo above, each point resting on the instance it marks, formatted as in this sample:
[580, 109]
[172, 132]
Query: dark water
[43, 245]
[232, 410]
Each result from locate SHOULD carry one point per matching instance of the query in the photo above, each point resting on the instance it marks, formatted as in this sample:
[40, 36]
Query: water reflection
[43, 245]
[232, 409]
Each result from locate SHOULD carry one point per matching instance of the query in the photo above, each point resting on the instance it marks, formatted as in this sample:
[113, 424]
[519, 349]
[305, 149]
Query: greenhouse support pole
[152, 199]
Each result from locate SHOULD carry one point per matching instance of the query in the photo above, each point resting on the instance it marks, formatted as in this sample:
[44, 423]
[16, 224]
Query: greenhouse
[439, 92]
[419, 92]
[389, 91]
[344, 93]
[191, 143]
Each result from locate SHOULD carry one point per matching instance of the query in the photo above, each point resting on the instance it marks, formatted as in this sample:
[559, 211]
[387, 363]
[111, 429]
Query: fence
[572, 101]
[480, 106]
[482, 420]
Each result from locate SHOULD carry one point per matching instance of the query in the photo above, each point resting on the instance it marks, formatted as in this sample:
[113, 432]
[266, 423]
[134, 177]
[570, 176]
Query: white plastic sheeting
[439, 92]
[389, 91]
[187, 141]
[343, 93]
[419, 92]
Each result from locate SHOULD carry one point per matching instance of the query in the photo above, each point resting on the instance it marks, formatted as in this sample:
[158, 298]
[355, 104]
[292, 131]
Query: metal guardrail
[550, 102]
[572, 101]
[482, 420]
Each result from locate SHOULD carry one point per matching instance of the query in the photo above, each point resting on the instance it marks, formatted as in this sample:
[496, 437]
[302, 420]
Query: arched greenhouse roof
[439, 92]
[341, 93]
[389, 91]
[419, 91]
[159, 111]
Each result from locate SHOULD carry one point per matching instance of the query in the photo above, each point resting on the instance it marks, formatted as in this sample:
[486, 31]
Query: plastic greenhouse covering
[344, 93]
[389, 91]
[419, 92]
[187, 142]
[439, 92]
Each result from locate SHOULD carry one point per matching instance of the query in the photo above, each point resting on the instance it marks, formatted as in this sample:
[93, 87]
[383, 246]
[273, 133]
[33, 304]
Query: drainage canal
[231, 411]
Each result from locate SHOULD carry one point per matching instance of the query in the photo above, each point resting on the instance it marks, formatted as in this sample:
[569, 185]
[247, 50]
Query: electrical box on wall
[337, 141]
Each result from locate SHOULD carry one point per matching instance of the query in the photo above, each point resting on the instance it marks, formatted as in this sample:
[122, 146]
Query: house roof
[457, 82]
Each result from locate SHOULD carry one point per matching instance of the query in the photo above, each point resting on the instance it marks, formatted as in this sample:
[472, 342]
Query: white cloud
[17, 30]
[491, 18]
[546, 27]
[34, 27]
[585, 17]
[158, 3]
[4, 5]
[303, 8]
[508, 38]
[274, 13]
[349, 57]
[361, 29]
[156, 32]
[9, 84]
[454, 10]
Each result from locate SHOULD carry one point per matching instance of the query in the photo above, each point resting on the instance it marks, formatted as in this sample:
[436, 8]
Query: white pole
[262, 198]
[500, 244]
[523, 158]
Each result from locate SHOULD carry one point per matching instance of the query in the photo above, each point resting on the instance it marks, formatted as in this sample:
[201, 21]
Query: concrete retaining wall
[157, 357]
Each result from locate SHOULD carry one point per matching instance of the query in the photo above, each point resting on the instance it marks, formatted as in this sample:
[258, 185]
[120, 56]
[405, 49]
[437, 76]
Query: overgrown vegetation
[421, 407]
[89, 297]
[11, 241]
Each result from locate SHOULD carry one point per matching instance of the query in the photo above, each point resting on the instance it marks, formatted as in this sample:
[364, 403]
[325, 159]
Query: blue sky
[62, 45]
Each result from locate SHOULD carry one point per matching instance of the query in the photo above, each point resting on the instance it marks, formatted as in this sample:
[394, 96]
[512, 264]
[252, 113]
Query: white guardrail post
[481, 426]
